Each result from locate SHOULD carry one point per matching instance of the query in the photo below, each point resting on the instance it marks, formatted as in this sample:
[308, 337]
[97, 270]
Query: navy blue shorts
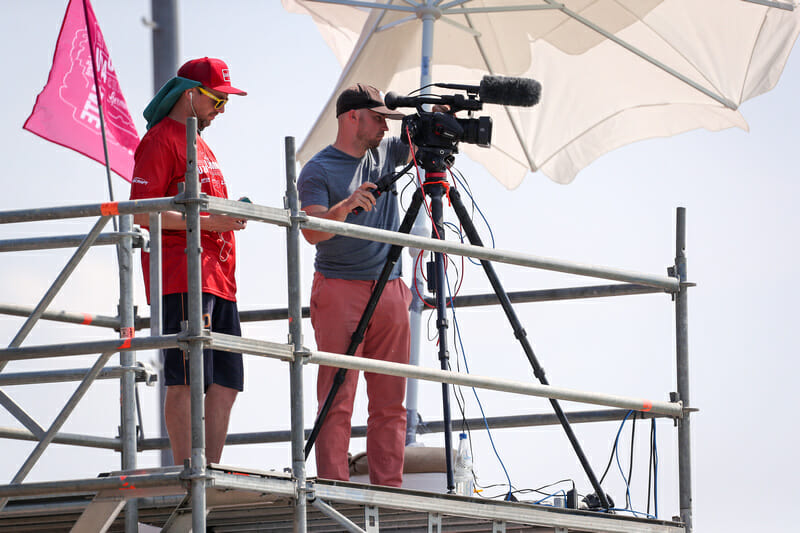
[220, 367]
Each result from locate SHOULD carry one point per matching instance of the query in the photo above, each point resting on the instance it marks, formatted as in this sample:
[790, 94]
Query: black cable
[610, 460]
[459, 396]
[463, 179]
[528, 491]
[410, 182]
[630, 464]
[431, 315]
[650, 462]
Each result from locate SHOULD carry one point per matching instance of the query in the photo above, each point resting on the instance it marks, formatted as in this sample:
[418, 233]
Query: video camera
[443, 130]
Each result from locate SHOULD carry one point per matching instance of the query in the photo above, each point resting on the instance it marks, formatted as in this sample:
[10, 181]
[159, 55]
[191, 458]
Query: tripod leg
[436, 192]
[363, 323]
[522, 336]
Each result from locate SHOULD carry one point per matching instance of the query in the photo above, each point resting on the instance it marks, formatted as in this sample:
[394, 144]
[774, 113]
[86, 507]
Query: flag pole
[99, 108]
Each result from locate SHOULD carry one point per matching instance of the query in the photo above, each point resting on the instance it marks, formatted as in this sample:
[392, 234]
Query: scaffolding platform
[248, 500]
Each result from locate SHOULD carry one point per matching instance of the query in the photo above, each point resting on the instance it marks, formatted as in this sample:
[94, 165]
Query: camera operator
[335, 182]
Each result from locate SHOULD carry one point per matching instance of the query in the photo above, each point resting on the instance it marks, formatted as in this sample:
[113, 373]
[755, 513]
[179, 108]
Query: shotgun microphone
[503, 90]
[510, 91]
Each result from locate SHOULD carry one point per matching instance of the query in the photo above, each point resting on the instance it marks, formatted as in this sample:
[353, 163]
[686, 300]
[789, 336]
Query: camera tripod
[436, 161]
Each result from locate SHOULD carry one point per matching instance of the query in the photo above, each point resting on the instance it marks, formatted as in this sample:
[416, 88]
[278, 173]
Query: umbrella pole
[521, 335]
[358, 334]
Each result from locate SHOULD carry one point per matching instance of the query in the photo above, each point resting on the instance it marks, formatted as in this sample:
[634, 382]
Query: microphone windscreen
[506, 90]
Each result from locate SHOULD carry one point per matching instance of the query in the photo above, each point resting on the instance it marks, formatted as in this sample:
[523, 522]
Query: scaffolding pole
[156, 321]
[682, 371]
[88, 210]
[141, 373]
[195, 329]
[295, 339]
[66, 241]
[127, 360]
[674, 409]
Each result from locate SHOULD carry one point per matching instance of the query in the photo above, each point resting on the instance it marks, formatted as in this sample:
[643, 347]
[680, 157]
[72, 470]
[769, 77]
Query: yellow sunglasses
[218, 102]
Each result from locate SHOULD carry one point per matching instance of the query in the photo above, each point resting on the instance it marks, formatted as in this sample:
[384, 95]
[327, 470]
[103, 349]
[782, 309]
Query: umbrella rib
[589, 24]
[768, 3]
[752, 53]
[498, 9]
[475, 33]
[397, 22]
[451, 4]
[511, 118]
[371, 5]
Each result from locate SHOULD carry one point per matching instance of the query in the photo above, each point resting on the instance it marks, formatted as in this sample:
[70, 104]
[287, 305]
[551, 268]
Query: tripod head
[435, 159]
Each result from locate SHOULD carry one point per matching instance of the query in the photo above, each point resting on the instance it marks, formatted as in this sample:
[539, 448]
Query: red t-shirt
[159, 165]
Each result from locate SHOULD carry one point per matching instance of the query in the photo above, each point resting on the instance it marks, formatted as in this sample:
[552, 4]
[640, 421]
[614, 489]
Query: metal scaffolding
[179, 498]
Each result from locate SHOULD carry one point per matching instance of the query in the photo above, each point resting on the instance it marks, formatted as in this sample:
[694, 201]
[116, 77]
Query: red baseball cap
[212, 73]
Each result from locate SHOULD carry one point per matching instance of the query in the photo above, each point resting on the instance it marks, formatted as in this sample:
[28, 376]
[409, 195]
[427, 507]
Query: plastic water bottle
[462, 470]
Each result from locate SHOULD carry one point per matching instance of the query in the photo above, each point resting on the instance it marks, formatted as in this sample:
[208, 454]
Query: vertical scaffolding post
[195, 329]
[127, 360]
[296, 339]
[682, 368]
[156, 322]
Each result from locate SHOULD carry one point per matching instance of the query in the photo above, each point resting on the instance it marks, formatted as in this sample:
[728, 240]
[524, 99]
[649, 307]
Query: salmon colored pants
[336, 308]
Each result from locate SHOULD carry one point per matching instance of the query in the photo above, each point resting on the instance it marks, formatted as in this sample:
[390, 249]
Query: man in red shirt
[200, 90]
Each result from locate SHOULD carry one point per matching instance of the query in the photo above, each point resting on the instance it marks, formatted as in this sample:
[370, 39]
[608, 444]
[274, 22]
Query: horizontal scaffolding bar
[142, 374]
[257, 315]
[673, 409]
[129, 207]
[473, 300]
[85, 319]
[548, 295]
[72, 439]
[489, 254]
[30, 509]
[234, 343]
[523, 421]
[66, 241]
[73, 486]
[272, 437]
[271, 215]
[476, 424]
[277, 483]
[283, 352]
[84, 348]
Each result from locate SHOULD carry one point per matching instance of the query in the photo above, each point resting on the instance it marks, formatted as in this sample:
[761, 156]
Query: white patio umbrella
[612, 71]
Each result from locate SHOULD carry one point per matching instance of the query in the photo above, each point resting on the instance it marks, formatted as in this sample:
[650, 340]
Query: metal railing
[195, 339]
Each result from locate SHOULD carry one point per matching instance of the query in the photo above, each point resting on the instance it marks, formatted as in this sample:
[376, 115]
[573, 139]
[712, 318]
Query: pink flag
[66, 111]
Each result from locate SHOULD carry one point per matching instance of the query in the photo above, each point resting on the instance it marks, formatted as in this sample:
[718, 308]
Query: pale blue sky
[740, 191]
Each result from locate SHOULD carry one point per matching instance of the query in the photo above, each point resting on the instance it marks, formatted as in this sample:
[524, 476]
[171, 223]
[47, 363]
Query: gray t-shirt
[330, 177]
